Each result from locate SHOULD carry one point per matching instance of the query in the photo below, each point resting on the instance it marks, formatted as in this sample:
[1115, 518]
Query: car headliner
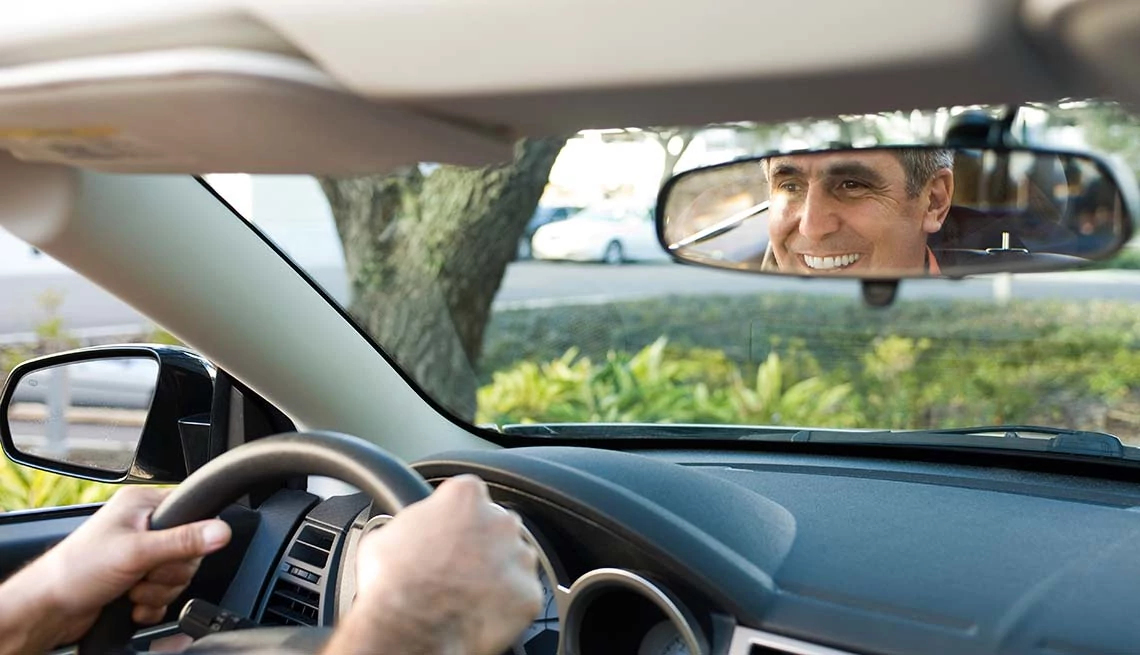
[357, 85]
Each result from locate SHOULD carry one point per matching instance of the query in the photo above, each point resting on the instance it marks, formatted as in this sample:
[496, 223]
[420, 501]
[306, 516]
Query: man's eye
[852, 185]
[789, 187]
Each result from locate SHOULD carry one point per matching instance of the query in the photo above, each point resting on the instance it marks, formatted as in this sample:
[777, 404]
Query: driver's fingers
[147, 615]
[174, 573]
[154, 594]
[185, 542]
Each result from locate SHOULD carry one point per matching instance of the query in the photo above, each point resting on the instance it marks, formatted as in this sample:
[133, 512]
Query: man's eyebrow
[784, 170]
[855, 169]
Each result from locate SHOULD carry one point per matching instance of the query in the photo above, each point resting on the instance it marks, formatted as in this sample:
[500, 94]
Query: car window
[48, 308]
[601, 327]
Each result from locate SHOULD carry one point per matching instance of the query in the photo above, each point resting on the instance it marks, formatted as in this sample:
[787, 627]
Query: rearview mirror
[110, 414]
[899, 212]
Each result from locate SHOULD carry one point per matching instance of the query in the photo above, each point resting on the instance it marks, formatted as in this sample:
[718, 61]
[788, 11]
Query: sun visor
[1094, 42]
[36, 200]
[219, 110]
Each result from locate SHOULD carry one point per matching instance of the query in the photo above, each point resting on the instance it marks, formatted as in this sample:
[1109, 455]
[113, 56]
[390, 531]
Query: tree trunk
[670, 163]
[425, 254]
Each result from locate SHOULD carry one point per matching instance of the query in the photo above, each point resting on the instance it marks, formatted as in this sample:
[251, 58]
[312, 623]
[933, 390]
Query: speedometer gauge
[541, 637]
[663, 639]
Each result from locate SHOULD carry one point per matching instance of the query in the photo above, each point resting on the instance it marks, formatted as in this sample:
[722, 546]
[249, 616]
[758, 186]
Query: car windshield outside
[430, 273]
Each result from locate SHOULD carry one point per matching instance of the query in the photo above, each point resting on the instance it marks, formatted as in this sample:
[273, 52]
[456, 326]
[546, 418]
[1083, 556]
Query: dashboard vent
[292, 605]
[313, 546]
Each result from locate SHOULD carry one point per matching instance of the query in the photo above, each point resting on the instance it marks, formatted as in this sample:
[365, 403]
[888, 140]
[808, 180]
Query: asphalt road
[85, 307]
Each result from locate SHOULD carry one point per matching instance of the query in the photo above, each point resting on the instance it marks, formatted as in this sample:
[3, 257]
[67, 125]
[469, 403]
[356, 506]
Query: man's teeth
[824, 263]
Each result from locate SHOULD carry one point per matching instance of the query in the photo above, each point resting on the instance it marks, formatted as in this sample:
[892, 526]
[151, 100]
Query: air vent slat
[291, 604]
[317, 538]
[309, 555]
[296, 598]
[287, 618]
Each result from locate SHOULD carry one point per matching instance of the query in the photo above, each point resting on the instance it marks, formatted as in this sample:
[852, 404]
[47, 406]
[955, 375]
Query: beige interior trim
[460, 76]
[167, 247]
[1092, 42]
[52, 30]
[215, 110]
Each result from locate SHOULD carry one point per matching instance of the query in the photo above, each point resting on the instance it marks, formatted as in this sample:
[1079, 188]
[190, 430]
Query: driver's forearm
[29, 623]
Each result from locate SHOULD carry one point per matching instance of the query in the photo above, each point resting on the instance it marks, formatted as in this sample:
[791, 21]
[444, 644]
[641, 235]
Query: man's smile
[831, 262]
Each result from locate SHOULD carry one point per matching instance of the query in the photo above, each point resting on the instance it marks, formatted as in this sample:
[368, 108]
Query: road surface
[86, 307]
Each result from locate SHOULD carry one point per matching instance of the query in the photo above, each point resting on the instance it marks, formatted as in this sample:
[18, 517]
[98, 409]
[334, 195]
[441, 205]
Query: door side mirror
[109, 414]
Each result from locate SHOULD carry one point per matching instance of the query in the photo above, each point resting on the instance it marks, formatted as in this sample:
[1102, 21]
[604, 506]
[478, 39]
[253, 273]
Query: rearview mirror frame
[1109, 168]
[184, 388]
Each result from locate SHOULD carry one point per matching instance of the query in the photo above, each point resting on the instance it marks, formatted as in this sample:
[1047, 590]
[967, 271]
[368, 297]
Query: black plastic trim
[1096, 467]
[279, 516]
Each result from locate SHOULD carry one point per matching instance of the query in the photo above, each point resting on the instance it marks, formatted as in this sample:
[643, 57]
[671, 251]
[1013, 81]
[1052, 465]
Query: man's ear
[939, 195]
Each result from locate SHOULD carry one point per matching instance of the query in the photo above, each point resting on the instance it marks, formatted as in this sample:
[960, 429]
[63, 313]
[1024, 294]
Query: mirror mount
[879, 293]
[978, 129]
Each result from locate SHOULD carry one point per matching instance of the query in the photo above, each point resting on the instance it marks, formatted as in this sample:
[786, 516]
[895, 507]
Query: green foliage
[158, 335]
[657, 385]
[1127, 259]
[25, 488]
[819, 361]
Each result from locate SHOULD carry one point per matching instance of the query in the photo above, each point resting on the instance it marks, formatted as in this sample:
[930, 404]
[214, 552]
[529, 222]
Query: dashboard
[706, 552]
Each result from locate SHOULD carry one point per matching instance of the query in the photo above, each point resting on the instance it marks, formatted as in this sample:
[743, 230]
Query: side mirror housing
[108, 414]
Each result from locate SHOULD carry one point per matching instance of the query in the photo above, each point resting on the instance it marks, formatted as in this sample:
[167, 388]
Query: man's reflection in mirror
[851, 212]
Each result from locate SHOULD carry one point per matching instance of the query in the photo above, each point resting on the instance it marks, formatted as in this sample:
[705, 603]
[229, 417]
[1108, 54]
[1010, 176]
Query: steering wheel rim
[391, 484]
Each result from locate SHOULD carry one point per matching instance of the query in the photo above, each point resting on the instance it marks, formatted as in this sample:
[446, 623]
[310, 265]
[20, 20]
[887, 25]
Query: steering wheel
[206, 492]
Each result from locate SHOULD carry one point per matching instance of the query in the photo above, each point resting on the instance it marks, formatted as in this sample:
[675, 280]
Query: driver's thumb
[186, 542]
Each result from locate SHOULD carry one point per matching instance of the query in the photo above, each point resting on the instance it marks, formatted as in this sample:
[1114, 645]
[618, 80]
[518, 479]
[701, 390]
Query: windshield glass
[505, 310]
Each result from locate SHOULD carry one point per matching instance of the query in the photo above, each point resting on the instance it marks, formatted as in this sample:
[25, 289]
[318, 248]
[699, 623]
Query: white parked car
[607, 234]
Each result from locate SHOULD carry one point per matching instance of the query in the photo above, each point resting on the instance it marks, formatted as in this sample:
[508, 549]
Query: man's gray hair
[920, 165]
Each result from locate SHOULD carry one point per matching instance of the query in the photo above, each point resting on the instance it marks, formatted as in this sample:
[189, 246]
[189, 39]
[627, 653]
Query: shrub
[657, 384]
[820, 361]
[26, 488]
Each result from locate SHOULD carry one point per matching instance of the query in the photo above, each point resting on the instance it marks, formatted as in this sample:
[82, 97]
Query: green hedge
[837, 330]
[23, 488]
[914, 365]
[898, 383]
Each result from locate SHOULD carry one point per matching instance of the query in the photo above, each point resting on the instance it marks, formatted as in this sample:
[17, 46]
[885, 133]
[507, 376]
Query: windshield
[501, 322]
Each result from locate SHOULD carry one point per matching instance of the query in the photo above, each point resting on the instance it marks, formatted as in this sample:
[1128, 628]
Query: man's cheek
[777, 238]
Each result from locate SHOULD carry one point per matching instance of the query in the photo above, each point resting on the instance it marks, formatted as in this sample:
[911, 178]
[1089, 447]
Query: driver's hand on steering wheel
[449, 574]
[56, 598]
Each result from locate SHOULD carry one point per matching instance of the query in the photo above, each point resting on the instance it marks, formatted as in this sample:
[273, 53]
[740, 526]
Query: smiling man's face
[850, 212]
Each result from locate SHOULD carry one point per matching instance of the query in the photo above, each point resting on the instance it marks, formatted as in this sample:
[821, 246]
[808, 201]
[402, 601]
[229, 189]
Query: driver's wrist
[31, 618]
[385, 623]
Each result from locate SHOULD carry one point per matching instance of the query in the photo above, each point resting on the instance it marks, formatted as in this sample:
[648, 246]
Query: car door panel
[25, 535]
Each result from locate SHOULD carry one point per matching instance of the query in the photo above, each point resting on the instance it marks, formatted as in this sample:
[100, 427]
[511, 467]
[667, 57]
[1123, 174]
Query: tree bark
[425, 254]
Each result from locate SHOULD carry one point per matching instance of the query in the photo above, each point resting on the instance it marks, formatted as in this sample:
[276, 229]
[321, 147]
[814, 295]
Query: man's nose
[818, 217]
